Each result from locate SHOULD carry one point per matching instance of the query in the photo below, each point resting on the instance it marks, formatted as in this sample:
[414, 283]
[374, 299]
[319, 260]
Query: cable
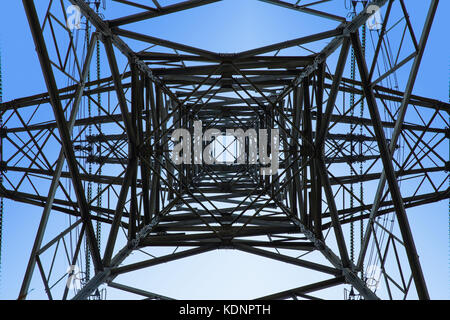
[99, 101]
[352, 128]
[361, 185]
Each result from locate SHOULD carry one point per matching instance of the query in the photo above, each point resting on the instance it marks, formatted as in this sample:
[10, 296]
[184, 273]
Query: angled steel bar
[105, 275]
[400, 119]
[333, 45]
[348, 272]
[321, 168]
[166, 43]
[323, 173]
[140, 292]
[308, 151]
[305, 9]
[44, 278]
[410, 202]
[74, 260]
[386, 157]
[62, 127]
[305, 289]
[145, 173]
[408, 23]
[131, 167]
[105, 30]
[386, 124]
[317, 215]
[291, 43]
[163, 259]
[58, 237]
[132, 156]
[161, 11]
[297, 105]
[326, 117]
[288, 259]
[137, 5]
[57, 173]
[130, 129]
[381, 37]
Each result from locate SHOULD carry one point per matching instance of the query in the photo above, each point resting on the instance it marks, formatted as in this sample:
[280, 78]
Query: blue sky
[229, 26]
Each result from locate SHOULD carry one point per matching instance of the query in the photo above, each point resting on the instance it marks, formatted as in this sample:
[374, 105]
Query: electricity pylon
[150, 202]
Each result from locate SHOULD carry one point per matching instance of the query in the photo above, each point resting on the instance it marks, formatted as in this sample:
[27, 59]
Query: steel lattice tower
[389, 138]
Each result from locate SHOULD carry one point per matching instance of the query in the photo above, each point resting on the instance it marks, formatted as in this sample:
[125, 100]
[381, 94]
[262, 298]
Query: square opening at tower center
[225, 149]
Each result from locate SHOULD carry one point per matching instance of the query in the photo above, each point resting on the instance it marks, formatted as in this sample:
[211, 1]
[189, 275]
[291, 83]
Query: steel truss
[153, 202]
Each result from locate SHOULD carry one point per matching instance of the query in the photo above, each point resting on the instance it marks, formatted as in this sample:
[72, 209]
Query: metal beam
[185, 5]
[163, 259]
[305, 289]
[288, 259]
[62, 127]
[386, 157]
[57, 173]
[321, 169]
[140, 292]
[348, 272]
[399, 122]
[305, 9]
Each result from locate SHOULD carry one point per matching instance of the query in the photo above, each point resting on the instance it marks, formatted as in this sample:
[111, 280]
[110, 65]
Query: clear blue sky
[229, 26]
